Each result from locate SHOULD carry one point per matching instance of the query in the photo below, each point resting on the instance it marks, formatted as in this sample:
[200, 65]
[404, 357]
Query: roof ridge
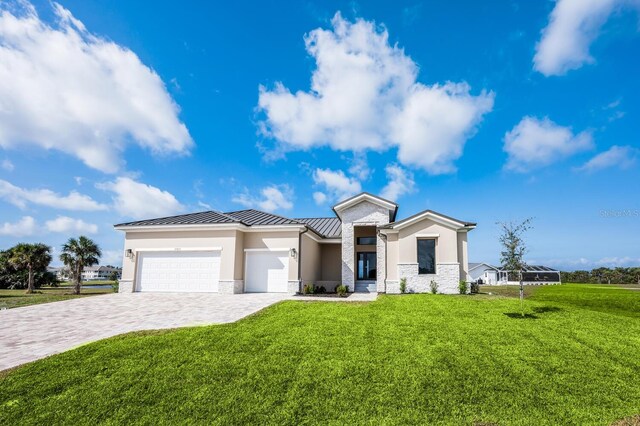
[263, 212]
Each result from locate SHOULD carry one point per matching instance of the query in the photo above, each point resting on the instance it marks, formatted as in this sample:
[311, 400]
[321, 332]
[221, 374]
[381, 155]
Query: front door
[366, 266]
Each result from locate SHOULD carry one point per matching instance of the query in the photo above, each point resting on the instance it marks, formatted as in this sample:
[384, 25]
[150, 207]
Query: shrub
[433, 286]
[403, 285]
[307, 289]
[319, 290]
[475, 288]
[116, 286]
[463, 287]
[342, 290]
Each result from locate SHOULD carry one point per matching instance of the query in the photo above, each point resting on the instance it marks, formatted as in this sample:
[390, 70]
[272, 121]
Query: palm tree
[32, 257]
[78, 253]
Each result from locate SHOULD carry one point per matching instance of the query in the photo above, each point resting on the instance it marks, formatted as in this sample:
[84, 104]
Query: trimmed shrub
[403, 285]
[463, 287]
[319, 290]
[115, 285]
[342, 290]
[433, 286]
[307, 289]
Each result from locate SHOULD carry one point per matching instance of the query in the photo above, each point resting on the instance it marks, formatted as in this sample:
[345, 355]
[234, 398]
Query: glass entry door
[366, 266]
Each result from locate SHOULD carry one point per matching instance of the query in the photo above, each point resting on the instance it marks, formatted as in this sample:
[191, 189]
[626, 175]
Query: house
[99, 273]
[531, 275]
[483, 273]
[362, 246]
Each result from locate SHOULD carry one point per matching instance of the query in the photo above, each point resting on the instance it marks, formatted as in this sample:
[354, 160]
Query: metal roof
[536, 268]
[327, 227]
[209, 217]
[433, 212]
[256, 217]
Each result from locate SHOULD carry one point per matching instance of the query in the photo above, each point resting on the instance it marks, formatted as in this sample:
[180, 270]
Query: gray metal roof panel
[208, 217]
[256, 217]
[327, 227]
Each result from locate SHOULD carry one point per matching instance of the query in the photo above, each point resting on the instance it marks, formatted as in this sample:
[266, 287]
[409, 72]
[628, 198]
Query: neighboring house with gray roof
[362, 246]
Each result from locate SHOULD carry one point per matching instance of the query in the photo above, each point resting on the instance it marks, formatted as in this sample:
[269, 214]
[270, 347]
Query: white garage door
[181, 271]
[267, 271]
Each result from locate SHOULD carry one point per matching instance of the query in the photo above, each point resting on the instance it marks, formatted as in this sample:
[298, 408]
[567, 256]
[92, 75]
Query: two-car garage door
[179, 271]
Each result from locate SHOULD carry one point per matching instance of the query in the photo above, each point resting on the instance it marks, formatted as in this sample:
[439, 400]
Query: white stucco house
[483, 272]
[362, 246]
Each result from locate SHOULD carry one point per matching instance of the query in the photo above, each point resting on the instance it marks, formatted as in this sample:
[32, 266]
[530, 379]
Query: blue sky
[114, 110]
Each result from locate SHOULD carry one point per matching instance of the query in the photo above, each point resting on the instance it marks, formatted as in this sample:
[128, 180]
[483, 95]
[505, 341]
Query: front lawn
[412, 359]
[16, 298]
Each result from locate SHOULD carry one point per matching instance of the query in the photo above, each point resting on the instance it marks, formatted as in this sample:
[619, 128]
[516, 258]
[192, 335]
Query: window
[427, 256]
[366, 266]
[366, 241]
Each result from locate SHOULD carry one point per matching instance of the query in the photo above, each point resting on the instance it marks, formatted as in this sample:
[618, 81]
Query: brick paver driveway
[33, 332]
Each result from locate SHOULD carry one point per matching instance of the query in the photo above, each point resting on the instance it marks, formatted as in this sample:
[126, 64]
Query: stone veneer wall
[125, 286]
[447, 277]
[230, 286]
[362, 214]
[293, 287]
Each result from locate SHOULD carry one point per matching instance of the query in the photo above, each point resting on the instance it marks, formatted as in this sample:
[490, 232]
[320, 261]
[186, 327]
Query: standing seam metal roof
[327, 227]
[209, 217]
[255, 217]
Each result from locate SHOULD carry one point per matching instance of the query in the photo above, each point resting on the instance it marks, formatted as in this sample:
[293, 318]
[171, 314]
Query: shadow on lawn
[536, 310]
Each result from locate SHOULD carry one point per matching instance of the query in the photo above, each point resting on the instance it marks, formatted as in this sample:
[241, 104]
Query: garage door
[267, 271]
[180, 271]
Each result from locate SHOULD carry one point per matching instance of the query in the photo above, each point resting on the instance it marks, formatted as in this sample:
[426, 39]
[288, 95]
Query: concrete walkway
[33, 332]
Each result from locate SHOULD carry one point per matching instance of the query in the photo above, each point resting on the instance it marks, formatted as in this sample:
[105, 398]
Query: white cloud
[319, 197]
[622, 157]
[400, 182]
[20, 197]
[138, 200]
[359, 167]
[337, 184]
[65, 224]
[364, 96]
[23, 228]
[64, 88]
[573, 26]
[111, 257]
[272, 198]
[535, 143]
[7, 165]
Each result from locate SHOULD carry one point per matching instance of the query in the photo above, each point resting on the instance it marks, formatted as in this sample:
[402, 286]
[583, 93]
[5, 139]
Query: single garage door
[179, 271]
[266, 271]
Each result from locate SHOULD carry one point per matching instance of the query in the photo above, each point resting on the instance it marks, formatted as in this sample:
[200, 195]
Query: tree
[78, 253]
[32, 258]
[514, 249]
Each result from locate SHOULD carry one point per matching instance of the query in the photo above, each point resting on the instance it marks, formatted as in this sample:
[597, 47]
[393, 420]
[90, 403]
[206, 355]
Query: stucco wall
[392, 257]
[331, 258]
[446, 243]
[310, 261]
[463, 258]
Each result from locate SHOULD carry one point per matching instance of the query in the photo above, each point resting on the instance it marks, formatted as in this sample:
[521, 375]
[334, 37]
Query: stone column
[348, 256]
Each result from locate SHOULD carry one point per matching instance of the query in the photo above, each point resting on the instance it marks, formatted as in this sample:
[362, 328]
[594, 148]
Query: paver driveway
[33, 332]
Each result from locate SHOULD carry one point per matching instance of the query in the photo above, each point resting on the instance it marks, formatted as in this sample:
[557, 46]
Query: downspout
[306, 229]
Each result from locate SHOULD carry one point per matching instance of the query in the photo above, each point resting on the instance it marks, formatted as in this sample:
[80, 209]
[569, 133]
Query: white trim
[364, 197]
[431, 215]
[273, 228]
[267, 249]
[331, 241]
[176, 249]
[200, 227]
[427, 235]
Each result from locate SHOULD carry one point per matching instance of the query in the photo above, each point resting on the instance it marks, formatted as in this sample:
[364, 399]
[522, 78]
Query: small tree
[32, 258]
[78, 253]
[514, 249]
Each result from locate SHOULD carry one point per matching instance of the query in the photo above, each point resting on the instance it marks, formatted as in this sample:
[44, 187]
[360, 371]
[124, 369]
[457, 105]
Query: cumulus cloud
[138, 200]
[271, 198]
[319, 197]
[573, 26]
[365, 96]
[21, 197]
[535, 143]
[337, 185]
[64, 88]
[65, 224]
[24, 227]
[400, 182]
[623, 157]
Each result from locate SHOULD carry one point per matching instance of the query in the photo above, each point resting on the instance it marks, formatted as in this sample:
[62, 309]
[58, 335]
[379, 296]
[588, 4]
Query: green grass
[17, 298]
[411, 359]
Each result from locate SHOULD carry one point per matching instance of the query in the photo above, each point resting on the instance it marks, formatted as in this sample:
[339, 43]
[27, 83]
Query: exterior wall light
[129, 253]
[293, 252]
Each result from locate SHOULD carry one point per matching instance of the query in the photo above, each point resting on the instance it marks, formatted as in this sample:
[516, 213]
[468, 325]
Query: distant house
[487, 274]
[99, 273]
[483, 273]
[61, 273]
